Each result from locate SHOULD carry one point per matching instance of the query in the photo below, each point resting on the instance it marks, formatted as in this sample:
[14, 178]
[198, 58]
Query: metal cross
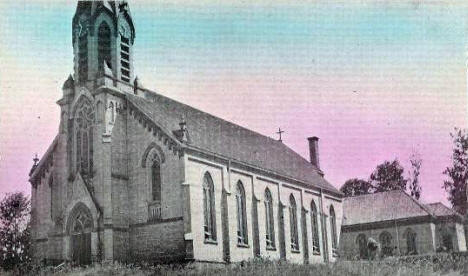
[280, 132]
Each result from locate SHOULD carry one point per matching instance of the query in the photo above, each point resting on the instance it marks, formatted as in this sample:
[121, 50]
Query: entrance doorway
[80, 228]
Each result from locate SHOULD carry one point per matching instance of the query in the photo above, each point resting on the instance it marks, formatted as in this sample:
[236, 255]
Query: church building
[134, 175]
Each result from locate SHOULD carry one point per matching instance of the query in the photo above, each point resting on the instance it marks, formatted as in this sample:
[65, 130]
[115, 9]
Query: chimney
[314, 151]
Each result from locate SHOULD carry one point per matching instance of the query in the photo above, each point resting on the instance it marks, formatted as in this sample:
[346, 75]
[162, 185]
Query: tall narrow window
[333, 230]
[209, 210]
[242, 238]
[293, 223]
[83, 57]
[315, 230]
[84, 137]
[104, 45]
[156, 178]
[125, 58]
[52, 196]
[411, 248]
[269, 220]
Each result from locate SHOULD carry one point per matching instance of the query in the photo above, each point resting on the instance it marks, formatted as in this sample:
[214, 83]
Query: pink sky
[263, 66]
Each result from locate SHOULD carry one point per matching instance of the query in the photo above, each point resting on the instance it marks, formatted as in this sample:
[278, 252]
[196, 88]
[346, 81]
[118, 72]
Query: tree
[355, 186]
[414, 186]
[457, 174]
[388, 176]
[14, 231]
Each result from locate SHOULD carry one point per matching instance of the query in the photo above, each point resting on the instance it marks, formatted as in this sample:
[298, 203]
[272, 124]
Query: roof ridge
[154, 93]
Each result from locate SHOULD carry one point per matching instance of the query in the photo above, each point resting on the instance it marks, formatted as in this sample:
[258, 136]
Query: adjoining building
[401, 225]
[134, 175]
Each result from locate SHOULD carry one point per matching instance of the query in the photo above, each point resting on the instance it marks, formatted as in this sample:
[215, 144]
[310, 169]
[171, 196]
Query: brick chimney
[314, 151]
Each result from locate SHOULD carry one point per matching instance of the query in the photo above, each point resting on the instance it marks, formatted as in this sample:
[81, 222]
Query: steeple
[103, 33]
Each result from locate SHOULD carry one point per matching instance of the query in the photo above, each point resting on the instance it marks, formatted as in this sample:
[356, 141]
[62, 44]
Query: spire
[101, 26]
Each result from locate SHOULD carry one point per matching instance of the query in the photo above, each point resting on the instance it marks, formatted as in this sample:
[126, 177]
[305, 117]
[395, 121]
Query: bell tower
[103, 36]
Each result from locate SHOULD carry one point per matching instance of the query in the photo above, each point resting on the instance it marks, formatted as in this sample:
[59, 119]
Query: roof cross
[280, 132]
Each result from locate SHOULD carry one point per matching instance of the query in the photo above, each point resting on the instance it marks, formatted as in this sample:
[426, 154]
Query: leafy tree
[14, 231]
[457, 174]
[414, 185]
[355, 186]
[388, 176]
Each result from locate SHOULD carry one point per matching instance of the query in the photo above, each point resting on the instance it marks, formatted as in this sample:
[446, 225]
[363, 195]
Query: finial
[280, 132]
[183, 123]
[35, 159]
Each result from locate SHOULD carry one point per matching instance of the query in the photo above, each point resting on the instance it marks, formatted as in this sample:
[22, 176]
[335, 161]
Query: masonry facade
[400, 224]
[133, 175]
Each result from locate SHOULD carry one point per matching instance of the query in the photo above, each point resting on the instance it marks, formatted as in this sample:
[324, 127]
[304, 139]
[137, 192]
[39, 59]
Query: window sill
[269, 248]
[295, 251]
[316, 253]
[211, 242]
[242, 245]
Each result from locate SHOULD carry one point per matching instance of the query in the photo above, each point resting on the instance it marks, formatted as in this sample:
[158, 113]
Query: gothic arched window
[269, 220]
[209, 211]
[84, 137]
[410, 236]
[104, 45]
[385, 239]
[156, 178]
[241, 215]
[293, 223]
[362, 245]
[52, 196]
[315, 232]
[333, 230]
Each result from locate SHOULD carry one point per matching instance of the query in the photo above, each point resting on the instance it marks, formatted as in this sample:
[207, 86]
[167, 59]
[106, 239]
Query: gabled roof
[440, 210]
[215, 135]
[383, 206]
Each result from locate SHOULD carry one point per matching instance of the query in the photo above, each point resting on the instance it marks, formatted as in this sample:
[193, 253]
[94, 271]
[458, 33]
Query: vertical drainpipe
[324, 229]
[398, 238]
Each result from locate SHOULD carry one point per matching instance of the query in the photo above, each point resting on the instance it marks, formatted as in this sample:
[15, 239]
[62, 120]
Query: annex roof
[215, 135]
[438, 209]
[383, 206]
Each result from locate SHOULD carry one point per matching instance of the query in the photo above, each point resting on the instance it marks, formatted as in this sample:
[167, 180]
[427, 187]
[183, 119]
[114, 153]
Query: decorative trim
[386, 223]
[205, 163]
[332, 198]
[291, 187]
[267, 180]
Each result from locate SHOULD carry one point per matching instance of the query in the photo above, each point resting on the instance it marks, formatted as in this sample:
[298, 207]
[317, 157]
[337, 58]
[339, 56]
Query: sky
[374, 80]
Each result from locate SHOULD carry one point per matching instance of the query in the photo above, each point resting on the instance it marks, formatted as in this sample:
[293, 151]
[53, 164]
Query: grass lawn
[266, 267]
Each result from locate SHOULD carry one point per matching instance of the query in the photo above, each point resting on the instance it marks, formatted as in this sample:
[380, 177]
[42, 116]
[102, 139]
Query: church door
[80, 233]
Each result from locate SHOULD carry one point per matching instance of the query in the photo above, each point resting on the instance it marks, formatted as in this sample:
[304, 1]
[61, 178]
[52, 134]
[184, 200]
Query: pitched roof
[384, 206]
[440, 210]
[215, 135]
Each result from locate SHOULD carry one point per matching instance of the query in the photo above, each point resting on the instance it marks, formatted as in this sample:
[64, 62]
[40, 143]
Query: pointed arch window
[83, 58]
[385, 239]
[242, 238]
[84, 138]
[104, 45]
[410, 236]
[156, 178]
[209, 210]
[269, 220]
[293, 224]
[361, 240]
[333, 230]
[315, 229]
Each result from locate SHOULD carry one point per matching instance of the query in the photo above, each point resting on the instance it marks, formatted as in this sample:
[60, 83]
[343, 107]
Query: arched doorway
[80, 226]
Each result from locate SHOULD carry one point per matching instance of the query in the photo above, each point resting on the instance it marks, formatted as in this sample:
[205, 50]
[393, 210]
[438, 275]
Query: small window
[385, 239]
[410, 236]
[315, 230]
[242, 238]
[269, 220]
[293, 224]
[209, 210]
[362, 245]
